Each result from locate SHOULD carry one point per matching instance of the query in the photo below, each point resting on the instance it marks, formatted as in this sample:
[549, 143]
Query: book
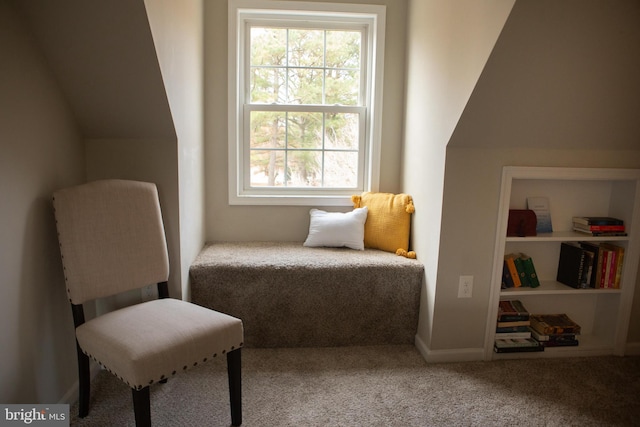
[540, 205]
[615, 261]
[524, 279]
[560, 343]
[605, 268]
[530, 271]
[505, 335]
[512, 329]
[596, 263]
[548, 324]
[587, 272]
[512, 345]
[571, 265]
[597, 220]
[511, 266]
[513, 323]
[598, 228]
[600, 233]
[507, 280]
[517, 349]
[512, 311]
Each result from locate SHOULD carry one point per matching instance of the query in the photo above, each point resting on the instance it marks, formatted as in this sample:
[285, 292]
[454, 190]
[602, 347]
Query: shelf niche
[603, 314]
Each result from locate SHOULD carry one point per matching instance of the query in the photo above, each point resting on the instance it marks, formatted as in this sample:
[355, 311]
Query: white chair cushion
[148, 342]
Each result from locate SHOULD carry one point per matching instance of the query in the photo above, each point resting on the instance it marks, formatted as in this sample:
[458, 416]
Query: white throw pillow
[337, 229]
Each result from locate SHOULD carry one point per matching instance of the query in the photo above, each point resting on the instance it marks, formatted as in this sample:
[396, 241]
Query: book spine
[512, 311]
[596, 262]
[603, 270]
[618, 276]
[524, 279]
[598, 280]
[513, 271]
[599, 227]
[612, 269]
[530, 271]
[506, 335]
[597, 220]
[600, 233]
[507, 280]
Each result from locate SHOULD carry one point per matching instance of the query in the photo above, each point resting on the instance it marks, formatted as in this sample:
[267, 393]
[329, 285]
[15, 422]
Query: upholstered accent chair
[112, 240]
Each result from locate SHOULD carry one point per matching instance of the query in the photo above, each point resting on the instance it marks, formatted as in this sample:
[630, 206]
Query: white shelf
[566, 236]
[551, 287]
[603, 314]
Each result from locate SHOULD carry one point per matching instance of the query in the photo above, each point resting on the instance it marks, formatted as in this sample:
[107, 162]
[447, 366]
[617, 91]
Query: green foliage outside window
[315, 147]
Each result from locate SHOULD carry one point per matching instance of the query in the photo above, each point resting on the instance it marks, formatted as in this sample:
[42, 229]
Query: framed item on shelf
[540, 205]
[522, 223]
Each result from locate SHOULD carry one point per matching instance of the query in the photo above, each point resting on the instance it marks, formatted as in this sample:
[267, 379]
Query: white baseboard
[71, 396]
[449, 355]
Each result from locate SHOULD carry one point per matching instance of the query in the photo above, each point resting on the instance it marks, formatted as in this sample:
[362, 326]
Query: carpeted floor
[385, 386]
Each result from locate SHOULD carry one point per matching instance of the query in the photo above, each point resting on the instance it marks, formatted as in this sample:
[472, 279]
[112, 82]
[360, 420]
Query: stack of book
[512, 331]
[590, 265]
[554, 330]
[518, 271]
[599, 225]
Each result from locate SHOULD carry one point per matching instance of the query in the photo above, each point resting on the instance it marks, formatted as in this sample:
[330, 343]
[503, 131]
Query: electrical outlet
[149, 293]
[465, 287]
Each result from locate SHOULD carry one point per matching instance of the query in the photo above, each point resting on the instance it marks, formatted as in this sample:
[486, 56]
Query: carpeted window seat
[288, 295]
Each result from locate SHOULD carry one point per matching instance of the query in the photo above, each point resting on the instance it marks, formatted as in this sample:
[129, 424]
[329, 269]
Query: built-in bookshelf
[603, 314]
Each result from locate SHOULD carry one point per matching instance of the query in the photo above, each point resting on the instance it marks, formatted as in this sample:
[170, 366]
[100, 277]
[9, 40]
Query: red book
[599, 227]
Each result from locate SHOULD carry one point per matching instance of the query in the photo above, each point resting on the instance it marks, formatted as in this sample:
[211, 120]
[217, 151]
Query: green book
[530, 270]
[524, 279]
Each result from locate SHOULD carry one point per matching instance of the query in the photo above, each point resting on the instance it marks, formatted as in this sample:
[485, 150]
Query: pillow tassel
[410, 208]
[406, 254]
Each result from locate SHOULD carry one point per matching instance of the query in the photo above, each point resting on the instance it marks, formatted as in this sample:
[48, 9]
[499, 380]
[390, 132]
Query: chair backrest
[111, 238]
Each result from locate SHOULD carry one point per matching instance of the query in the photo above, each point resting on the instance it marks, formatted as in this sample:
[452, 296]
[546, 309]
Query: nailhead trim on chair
[162, 377]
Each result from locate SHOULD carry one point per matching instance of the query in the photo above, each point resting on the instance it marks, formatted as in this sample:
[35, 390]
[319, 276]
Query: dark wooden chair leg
[142, 407]
[234, 369]
[84, 383]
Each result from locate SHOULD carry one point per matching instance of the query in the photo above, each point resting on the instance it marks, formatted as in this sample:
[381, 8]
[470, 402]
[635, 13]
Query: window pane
[304, 130]
[306, 48]
[342, 131]
[305, 86]
[343, 49]
[340, 169]
[267, 168]
[304, 168]
[268, 85]
[267, 129]
[268, 46]
[342, 87]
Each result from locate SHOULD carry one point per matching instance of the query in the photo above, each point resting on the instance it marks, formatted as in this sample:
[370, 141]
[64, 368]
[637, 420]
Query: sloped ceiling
[563, 74]
[103, 56]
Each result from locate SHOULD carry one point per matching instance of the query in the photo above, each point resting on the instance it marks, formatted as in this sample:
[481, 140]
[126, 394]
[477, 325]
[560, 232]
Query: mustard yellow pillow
[388, 221]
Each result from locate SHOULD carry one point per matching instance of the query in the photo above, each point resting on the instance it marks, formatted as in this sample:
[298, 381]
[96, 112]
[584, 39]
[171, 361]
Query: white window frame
[372, 17]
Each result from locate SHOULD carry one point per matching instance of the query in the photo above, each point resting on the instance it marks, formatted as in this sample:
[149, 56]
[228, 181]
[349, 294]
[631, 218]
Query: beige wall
[225, 222]
[40, 152]
[448, 45]
[177, 28]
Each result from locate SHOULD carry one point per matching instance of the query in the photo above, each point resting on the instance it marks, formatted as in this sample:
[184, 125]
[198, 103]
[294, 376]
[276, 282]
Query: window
[305, 90]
